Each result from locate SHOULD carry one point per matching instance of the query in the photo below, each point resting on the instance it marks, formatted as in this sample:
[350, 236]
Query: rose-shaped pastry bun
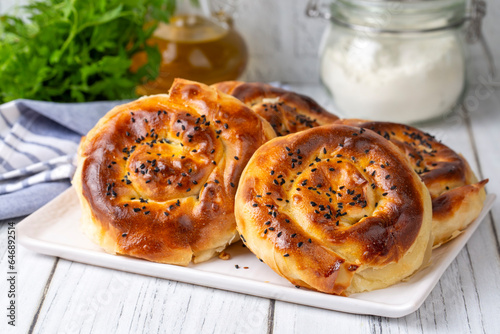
[336, 209]
[157, 177]
[288, 112]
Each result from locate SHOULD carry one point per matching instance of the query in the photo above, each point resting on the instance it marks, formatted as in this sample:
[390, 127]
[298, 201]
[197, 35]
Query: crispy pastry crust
[288, 112]
[157, 177]
[289, 213]
[457, 196]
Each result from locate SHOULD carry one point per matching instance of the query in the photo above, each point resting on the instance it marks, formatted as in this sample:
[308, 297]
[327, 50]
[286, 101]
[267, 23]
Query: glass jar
[400, 61]
[199, 43]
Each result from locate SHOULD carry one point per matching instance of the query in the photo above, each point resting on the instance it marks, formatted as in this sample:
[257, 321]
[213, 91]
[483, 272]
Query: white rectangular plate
[55, 230]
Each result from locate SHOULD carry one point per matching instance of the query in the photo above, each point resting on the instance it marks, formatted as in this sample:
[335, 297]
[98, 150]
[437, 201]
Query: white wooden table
[60, 296]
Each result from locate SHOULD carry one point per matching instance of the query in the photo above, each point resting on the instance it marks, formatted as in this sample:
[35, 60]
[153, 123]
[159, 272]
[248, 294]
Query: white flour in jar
[394, 79]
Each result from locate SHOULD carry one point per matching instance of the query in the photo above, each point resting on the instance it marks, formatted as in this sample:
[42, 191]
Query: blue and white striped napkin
[38, 144]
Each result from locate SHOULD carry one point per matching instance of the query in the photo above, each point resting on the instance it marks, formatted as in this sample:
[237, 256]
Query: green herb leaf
[78, 50]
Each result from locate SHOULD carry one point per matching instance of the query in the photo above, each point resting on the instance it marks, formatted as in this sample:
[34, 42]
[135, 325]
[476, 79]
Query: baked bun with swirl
[157, 177]
[288, 112]
[336, 209]
[457, 196]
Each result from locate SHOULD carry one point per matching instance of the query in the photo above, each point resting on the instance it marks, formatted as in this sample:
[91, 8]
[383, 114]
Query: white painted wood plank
[92, 299]
[33, 272]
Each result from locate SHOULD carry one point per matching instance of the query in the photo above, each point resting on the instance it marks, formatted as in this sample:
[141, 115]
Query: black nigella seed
[124, 234]
[232, 184]
[279, 234]
[286, 255]
[384, 194]
[166, 214]
[393, 187]
[255, 205]
[125, 205]
[300, 244]
[271, 229]
[146, 213]
[272, 172]
[268, 222]
[137, 209]
[309, 240]
[294, 235]
[265, 231]
[188, 190]
[236, 158]
[313, 204]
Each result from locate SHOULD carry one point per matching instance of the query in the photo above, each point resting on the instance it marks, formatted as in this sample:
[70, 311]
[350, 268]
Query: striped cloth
[38, 144]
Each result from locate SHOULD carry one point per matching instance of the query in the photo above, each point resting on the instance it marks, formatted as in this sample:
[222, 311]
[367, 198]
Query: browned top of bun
[288, 112]
[160, 173]
[456, 198]
[437, 164]
[322, 204]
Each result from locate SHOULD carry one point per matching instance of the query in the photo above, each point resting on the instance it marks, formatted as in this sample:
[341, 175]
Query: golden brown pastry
[157, 177]
[457, 197]
[336, 209]
[288, 112]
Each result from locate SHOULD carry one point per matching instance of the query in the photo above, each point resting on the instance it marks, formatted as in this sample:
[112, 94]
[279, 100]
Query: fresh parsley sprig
[78, 50]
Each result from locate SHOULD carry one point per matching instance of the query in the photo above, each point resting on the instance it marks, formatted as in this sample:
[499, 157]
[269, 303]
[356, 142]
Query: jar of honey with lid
[199, 43]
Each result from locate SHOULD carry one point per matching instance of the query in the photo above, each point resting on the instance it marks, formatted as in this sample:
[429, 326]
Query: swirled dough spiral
[157, 177]
[336, 208]
[288, 112]
[457, 196]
